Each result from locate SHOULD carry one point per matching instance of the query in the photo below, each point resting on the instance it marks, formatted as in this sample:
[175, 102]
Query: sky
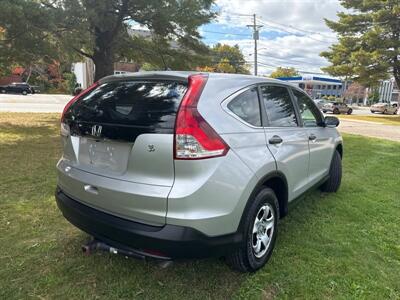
[293, 32]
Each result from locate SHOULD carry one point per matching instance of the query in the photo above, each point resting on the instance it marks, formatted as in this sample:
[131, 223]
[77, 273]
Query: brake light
[194, 138]
[70, 102]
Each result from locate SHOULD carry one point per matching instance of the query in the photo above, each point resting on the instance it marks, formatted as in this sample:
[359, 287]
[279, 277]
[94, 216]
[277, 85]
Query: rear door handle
[312, 137]
[91, 189]
[275, 140]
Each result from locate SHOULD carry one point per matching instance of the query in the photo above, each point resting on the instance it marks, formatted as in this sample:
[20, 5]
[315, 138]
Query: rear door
[286, 140]
[121, 140]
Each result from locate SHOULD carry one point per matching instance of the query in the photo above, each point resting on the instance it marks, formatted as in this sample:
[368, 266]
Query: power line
[279, 58]
[298, 29]
[226, 33]
[294, 33]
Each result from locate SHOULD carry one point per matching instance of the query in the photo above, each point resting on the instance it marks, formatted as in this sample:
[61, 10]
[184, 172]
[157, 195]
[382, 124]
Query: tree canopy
[369, 41]
[226, 59]
[284, 72]
[99, 29]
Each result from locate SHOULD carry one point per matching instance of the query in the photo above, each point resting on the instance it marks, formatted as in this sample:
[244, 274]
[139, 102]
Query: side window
[278, 106]
[247, 107]
[308, 110]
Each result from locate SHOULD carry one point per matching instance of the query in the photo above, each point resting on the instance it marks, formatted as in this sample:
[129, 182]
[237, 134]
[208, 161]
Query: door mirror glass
[331, 121]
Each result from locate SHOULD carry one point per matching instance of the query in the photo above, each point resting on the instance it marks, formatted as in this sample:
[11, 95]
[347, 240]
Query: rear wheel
[24, 93]
[259, 231]
[3, 91]
[324, 111]
[336, 111]
[335, 175]
[349, 111]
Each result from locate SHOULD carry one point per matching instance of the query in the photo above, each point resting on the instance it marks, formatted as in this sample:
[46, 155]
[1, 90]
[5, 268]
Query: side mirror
[331, 121]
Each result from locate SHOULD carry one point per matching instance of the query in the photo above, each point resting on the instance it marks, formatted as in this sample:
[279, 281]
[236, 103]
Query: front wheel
[336, 111]
[24, 93]
[335, 175]
[259, 231]
[349, 111]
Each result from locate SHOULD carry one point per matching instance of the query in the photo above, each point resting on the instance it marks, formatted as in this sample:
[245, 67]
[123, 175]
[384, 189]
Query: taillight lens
[194, 137]
[65, 130]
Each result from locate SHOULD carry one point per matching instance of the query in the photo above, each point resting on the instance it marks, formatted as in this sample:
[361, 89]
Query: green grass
[383, 119]
[344, 245]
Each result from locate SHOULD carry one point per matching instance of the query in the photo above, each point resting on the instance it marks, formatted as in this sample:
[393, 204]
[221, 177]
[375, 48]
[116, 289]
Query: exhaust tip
[86, 249]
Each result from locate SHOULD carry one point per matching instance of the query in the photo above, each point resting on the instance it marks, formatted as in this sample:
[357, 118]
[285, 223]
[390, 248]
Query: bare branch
[82, 52]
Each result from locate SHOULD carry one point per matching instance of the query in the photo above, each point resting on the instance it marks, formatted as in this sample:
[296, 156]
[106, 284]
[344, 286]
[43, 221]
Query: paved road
[33, 103]
[360, 111]
[56, 103]
[370, 129]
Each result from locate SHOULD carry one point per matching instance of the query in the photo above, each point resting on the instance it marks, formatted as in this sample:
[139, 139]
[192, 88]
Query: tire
[246, 258]
[384, 112]
[24, 93]
[3, 91]
[336, 111]
[335, 175]
[324, 111]
[349, 111]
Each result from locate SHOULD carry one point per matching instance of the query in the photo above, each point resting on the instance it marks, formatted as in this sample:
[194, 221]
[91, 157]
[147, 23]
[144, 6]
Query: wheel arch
[276, 181]
[339, 148]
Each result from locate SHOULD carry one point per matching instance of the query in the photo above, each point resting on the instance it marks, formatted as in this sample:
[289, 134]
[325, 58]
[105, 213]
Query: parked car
[173, 165]
[337, 108]
[35, 89]
[384, 108]
[17, 88]
[320, 103]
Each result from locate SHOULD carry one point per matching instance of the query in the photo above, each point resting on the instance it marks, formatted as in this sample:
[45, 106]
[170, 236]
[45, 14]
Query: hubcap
[263, 229]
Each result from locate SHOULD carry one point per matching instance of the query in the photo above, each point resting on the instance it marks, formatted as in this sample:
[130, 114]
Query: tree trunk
[103, 60]
[103, 56]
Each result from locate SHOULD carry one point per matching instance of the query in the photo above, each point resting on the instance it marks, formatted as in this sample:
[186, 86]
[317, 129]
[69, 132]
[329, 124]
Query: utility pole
[256, 36]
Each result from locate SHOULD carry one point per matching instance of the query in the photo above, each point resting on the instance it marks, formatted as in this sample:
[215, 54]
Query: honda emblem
[96, 130]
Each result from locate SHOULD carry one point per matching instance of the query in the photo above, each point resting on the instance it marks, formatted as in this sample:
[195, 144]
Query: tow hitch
[97, 245]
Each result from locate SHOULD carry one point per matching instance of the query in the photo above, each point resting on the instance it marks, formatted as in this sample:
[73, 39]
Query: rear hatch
[118, 146]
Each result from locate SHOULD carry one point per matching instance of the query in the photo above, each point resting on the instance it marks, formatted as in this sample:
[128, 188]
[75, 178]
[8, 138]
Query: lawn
[383, 119]
[344, 245]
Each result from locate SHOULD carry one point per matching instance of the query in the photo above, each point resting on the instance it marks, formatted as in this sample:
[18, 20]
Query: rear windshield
[130, 103]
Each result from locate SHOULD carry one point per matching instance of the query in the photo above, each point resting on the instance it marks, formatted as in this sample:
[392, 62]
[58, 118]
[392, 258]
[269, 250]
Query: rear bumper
[169, 240]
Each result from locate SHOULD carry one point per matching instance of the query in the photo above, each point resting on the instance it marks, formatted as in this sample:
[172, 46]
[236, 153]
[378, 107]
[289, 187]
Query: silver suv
[176, 165]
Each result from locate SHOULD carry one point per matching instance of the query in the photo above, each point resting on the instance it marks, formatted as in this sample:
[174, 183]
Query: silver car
[384, 108]
[174, 165]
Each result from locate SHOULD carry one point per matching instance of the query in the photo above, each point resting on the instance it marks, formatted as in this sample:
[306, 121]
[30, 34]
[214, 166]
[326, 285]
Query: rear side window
[246, 106]
[278, 106]
[130, 103]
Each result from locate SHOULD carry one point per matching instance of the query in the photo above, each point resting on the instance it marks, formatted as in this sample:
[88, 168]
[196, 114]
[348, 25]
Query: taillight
[194, 137]
[65, 130]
